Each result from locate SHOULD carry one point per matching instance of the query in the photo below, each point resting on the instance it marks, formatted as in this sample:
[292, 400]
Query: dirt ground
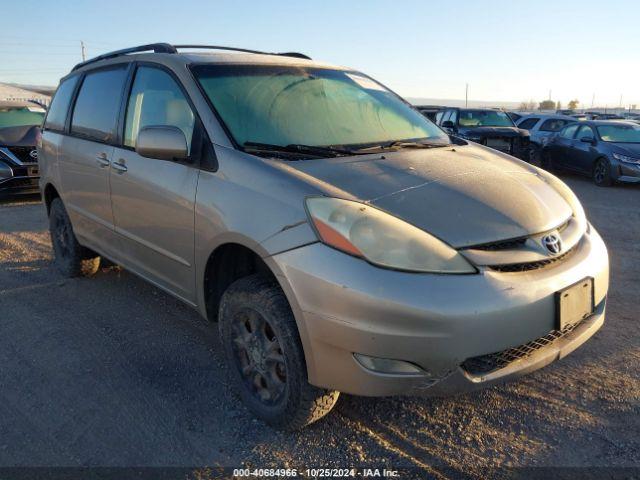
[111, 371]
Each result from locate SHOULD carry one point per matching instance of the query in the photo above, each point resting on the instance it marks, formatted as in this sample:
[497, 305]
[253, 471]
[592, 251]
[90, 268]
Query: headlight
[626, 159]
[382, 239]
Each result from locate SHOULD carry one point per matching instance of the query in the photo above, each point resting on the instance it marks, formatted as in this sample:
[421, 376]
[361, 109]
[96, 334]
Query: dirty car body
[469, 301]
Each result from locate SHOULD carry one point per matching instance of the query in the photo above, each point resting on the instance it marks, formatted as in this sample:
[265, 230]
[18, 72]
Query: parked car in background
[493, 128]
[340, 239]
[580, 116]
[540, 128]
[515, 116]
[19, 128]
[608, 151]
[429, 111]
[567, 112]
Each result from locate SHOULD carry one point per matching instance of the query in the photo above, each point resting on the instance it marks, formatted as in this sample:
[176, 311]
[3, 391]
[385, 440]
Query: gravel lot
[111, 371]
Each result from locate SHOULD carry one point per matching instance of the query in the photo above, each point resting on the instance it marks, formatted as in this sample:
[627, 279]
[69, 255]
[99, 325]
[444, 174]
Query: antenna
[84, 56]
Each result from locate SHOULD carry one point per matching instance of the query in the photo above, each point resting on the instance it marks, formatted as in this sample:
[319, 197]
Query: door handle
[119, 166]
[103, 161]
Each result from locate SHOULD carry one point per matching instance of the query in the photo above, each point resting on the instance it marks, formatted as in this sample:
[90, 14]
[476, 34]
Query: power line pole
[466, 96]
[84, 56]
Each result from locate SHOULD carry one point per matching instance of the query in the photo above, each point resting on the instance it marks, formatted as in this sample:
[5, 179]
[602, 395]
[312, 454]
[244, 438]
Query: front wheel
[71, 258]
[602, 173]
[264, 354]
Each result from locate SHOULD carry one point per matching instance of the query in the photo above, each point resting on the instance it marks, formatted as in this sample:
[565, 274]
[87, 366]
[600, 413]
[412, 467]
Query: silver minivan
[341, 241]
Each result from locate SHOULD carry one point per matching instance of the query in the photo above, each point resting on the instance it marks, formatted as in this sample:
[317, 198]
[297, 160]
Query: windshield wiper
[398, 144]
[298, 148]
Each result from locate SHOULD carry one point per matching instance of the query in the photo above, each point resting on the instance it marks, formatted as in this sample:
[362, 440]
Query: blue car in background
[607, 151]
[541, 127]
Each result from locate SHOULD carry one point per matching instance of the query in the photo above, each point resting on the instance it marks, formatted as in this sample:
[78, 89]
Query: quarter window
[97, 106]
[57, 115]
[156, 99]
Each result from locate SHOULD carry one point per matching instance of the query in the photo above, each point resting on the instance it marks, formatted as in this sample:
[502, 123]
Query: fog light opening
[389, 366]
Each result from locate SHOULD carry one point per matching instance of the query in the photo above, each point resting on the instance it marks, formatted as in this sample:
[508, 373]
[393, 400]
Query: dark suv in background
[493, 128]
[19, 128]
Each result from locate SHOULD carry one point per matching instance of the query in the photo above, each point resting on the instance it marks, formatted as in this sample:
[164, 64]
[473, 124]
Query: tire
[70, 258]
[265, 358]
[602, 173]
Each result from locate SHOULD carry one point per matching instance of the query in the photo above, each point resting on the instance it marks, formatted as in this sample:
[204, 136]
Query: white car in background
[540, 127]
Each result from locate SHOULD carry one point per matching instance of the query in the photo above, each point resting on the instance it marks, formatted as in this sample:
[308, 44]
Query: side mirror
[448, 124]
[162, 142]
[589, 140]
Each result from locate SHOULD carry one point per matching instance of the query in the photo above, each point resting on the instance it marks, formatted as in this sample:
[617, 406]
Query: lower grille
[485, 364]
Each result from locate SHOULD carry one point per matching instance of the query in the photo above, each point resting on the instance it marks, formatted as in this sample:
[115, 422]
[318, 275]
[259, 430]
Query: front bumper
[628, 173]
[344, 305]
[19, 186]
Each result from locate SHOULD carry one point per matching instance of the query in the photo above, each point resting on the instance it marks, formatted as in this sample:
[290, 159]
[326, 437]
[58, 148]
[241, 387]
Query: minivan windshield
[284, 105]
[484, 118]
[622, 133]
[20, 117]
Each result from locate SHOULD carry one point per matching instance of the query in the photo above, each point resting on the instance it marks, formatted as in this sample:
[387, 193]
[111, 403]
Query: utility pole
[593, 100]
[84, 56]
[466, 96]
[549, 94]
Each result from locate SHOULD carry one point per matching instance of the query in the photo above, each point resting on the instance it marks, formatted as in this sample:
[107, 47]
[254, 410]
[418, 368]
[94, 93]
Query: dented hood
[465, 195]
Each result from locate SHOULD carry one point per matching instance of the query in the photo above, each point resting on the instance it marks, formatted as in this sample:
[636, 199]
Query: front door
[584, 152]
[153, 200]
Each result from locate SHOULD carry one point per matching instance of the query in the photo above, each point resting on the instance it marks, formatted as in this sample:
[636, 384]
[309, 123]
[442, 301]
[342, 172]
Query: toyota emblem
[33, 154]
[552, 243]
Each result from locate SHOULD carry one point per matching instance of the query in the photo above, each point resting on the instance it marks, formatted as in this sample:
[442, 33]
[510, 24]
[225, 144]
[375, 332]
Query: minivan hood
[465, 195]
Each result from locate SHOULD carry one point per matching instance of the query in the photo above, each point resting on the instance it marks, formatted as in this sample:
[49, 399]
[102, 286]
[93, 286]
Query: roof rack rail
[152, 47]
[168, 48]
[245, 50]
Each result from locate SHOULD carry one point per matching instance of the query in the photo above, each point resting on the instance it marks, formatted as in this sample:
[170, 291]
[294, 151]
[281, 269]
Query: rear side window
[156, 99]
[569, 131]
[60, 105]
[554, 124]
[98, 103]
[528, 123]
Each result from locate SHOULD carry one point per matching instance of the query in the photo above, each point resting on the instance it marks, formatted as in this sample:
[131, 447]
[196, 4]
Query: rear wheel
[602, 173]
[71, 258]
[265, 357]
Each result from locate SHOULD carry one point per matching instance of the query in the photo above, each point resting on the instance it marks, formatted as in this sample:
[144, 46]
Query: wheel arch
[235, 258]
[49, 193]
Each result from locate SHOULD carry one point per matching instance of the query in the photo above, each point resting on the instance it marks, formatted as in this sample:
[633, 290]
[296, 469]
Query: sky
[505, 50]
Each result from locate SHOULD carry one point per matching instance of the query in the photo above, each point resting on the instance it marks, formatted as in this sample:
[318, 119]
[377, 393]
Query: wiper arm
[398, 144]
[298, 148]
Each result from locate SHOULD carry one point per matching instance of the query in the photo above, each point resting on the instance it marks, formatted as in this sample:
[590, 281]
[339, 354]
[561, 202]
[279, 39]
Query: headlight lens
[626, 159]
[380, 238]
